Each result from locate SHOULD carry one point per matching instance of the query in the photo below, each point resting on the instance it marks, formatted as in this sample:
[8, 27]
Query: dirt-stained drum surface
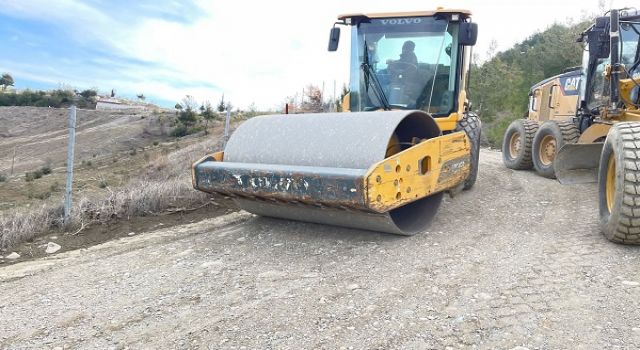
[516, 261]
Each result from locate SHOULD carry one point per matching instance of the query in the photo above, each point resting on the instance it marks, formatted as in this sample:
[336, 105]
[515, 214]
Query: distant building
[112, 103]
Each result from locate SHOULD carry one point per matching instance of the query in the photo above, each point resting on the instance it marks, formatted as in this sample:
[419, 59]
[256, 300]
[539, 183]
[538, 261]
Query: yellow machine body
[384, 163]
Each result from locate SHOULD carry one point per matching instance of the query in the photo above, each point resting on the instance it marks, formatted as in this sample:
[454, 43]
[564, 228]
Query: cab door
[534, 104]
[545, 103]
[554, 95]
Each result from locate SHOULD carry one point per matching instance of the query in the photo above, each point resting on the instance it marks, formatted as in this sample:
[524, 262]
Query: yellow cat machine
[552, 106]
[407, 136]
[598, 140]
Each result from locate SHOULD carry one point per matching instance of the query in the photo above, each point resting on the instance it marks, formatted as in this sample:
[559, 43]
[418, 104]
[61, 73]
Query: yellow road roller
[405, 138]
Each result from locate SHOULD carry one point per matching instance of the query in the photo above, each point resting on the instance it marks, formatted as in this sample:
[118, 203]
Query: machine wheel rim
[515, 145]
[547, 150]
[610, 186]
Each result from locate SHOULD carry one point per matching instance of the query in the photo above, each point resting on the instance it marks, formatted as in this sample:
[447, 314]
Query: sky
[253, 52]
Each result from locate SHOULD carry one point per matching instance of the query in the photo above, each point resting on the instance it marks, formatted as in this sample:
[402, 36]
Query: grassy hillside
[110, 146]
[126, 166]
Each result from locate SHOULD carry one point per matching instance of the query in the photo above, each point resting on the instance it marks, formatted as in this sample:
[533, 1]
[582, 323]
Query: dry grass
[166, 185]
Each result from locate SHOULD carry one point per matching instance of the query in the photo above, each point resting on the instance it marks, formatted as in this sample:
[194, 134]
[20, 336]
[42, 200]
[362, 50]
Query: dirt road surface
[517, 262]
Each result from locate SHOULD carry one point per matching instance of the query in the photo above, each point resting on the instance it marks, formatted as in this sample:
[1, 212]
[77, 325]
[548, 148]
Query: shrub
[195, 129]
[30, 176]
[180, 131]
[3, 178]
[43, 195]
[45, 170]
[89, 93]
[158, 191]
[496, 132]
[103, 183]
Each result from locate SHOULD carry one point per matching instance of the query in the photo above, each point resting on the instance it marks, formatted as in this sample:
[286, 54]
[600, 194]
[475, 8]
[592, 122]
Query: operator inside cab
[405, 63]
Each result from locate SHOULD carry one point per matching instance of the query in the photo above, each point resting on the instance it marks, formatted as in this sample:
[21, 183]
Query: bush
[3, 178]
[89, 93]
[195, 129]
[188, 117]
[180, 131]
[103, 184]
[45, 170]
[155, 143]
[496, 131]
[43, 195]
[158, 191]
[30, 176]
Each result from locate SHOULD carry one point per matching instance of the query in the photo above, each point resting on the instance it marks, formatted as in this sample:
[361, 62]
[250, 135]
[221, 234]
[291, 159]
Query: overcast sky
[252, 51]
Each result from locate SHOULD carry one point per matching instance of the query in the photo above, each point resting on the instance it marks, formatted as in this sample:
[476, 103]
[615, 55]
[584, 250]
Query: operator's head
[408, 46]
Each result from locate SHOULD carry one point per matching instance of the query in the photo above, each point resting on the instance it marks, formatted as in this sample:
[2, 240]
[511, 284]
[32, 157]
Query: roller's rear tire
[619, 184]
[551, 136]
[472, 126]
[516, 145]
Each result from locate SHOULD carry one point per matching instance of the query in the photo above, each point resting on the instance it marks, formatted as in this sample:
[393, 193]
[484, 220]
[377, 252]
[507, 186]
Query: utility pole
[227, 122]
[333, 99]
[70, 152]
[322, 97]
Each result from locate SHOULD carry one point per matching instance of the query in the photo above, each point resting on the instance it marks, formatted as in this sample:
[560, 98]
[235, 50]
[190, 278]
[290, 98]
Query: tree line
[59, 98]
[499, 87]
[193, 116]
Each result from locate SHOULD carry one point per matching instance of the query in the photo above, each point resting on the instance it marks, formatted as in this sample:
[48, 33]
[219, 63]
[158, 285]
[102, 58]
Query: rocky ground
[517, 262]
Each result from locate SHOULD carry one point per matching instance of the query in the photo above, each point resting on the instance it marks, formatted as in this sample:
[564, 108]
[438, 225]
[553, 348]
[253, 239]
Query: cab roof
[439, 10]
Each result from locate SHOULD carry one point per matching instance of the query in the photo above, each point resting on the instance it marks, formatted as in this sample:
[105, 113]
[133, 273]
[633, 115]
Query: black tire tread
[530, 129]
[564, 132]
[570, 132]
[472, 126]
[627, 229]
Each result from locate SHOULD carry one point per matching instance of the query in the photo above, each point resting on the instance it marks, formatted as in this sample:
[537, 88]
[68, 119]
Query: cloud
[251, 58]
[256, 51]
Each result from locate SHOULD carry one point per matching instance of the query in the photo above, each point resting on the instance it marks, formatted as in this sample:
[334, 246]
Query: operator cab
[408, 60]
[595, 90]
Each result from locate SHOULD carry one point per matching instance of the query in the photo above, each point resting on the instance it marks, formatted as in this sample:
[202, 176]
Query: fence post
[13, 160]
[227, 122]
[70, 152]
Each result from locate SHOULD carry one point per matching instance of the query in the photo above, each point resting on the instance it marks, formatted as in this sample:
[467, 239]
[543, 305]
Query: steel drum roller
[265, 156]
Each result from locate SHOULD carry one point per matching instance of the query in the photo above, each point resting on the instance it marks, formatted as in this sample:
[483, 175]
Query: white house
[112, 103]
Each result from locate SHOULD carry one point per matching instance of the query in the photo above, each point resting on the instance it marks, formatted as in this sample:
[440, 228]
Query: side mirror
[468, 33]
[599, 49]
[598, 39]
[334, 38]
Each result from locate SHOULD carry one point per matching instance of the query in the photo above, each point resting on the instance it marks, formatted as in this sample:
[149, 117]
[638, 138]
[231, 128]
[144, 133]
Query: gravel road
[516, 262]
